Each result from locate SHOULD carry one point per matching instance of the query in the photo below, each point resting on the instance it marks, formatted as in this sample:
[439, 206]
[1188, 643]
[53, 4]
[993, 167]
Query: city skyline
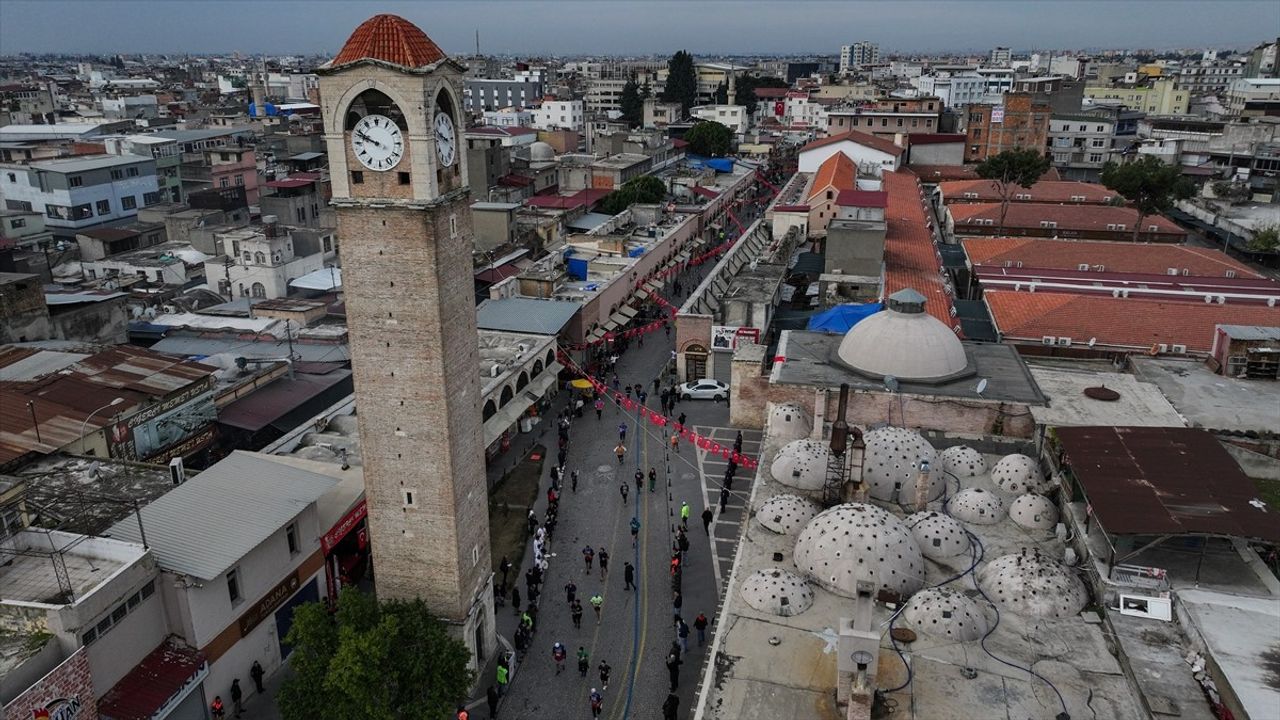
[283, 27]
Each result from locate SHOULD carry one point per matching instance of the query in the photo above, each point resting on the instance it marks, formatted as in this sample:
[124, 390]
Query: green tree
[1232, 192]
[385, 660]
[1265, 239]
[709, 138]
[646, 91]
[745, 90]
[682, 81]
[721, 94]
[632, 104]
[1018, 167]
[1150, 186]
[644, 189]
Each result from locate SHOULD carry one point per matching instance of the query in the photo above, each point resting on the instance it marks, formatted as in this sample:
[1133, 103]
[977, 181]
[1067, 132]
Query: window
[357, 178]
[132, 172]
[1097, 142]
[75, 181]
[18, 223]
[224, 182]
[150, 198]
[129, 202]
[116, 174]
[1095, 157]
[291, 537]
[403, 178]
[258, 290]
[82, 212]
[239, 180]
[301, 214]
[260, 258]
[13, 178]
[233, 586]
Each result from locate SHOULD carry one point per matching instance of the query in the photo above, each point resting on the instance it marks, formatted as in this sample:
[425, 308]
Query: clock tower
[391, 101]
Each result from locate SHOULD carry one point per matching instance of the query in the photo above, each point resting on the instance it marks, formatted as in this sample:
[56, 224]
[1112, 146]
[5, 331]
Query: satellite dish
[861, 657]
[891, 383]
[982, 386]
[1092, 341]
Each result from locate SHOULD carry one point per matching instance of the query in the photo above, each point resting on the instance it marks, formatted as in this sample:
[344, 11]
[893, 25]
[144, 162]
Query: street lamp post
[84, 425]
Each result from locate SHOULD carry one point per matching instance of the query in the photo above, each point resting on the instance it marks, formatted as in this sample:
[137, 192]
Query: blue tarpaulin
[842, 317]
[577, 268]
[718, 164]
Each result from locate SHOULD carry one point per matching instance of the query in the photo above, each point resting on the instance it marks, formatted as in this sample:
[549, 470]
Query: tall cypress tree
[632, 104]
[682, 81]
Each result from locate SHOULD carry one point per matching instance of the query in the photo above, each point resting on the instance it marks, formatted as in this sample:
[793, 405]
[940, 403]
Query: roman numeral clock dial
[446, 139]
[377, 142]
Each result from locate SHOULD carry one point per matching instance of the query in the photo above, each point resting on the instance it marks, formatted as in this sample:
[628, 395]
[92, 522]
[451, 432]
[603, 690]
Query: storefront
[346, 550]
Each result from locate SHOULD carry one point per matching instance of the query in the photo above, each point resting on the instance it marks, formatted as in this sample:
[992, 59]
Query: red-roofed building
[1066, 323]
[1110, 257]
[389, 39]
[931, 173]
[161, 681]
[860, 147]
[1044, 191]
[1081, 222]
[863, 199]
[910, 258]
[834, 176]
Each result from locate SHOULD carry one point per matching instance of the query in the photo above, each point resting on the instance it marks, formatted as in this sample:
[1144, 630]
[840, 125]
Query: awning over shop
[618, 319]
[596, 334]
[160, 681]
[642, 293]
[653, 286]
[628, 311]
[683, 256]
[610, 326]
[536, 389]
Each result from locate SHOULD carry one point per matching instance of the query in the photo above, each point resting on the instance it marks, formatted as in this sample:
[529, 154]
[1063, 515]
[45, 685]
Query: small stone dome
[777, 591]
[939, 536]
[802, 464]
[1017, 474]
[1034, 512]
[947, 613]
[906, 342]
[541, 152]
[788, 422]
[785, 514]
[890, 461]
[977, 506]
[1030, 583]
[854, 542]
[963, 461]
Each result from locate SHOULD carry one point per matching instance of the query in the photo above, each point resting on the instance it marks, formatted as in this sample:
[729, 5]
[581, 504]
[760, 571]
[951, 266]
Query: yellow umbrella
[581, 384]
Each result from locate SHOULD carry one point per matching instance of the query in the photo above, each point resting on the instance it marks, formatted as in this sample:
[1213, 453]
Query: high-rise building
[858, 55]
[392, 106]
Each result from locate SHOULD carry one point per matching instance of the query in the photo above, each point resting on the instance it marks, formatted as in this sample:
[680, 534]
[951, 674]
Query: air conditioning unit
[1231, 273]
[1064, 341]
[1171, 271]
[177, 471]
[1083, 267]
[1186, 272]
[1222, 299]
[1162, 348]
[1180, 349]
[1048, 340]
[1100, 268]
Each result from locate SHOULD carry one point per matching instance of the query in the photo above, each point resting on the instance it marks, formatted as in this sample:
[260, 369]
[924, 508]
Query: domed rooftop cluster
[777, 591]
[854, 542]
[1017, 474]
[963, 461]
[1030, 583]
[939, 536]
[391, 39]
[977, 506]
[947, 613]
[788, 422]
[1034, 512]
[802, 464]
[787, 513]
[906, 342]
[890, 464]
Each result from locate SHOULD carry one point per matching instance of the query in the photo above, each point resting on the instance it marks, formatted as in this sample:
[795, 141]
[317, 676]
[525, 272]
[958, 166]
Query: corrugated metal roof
[281, 397]
[207, 524]
[1155, 481]
[195, 345]
[21, 364]
[545, 317]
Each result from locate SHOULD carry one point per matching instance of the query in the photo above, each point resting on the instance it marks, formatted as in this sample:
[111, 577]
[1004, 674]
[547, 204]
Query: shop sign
[262, 609]
[60, 709]
[331, 539]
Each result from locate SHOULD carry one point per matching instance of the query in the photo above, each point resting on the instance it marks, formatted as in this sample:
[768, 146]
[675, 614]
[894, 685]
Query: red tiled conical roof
[392, 39]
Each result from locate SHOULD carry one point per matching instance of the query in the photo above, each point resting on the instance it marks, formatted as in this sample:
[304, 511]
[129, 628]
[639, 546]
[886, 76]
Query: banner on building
[727, 337]
[997, 114]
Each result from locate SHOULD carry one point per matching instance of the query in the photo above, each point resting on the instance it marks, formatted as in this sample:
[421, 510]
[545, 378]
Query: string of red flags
[659, 420]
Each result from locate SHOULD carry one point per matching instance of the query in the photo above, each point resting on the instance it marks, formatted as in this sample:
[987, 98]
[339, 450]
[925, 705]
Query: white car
[705, 389]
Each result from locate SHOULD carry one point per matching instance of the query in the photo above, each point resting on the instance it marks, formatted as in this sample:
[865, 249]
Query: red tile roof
[939, 173]
[863, 198]
[835, 173]
[935, 138]
[392, 39]
[1118, 257]
[1117, 322]
[910, 259]
[1085, 218]
[861, 138]
[1044, 191]
[151, 683]
[289, 183]
[771, 92]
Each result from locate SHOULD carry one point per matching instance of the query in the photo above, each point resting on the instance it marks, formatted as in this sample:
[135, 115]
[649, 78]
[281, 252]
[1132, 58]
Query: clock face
[446, 139]
[377, 142]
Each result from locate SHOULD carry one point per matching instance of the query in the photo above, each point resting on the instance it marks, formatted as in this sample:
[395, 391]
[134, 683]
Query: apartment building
[481, 94]
[887, 117]
[1079, 145]
[559, 115]
[734, 117]
[1021, 122]
[954, 90]
[166, 152]
[859, 54]
[1204, 78]
[261, 262]
[76, 193]
[1254, 97]
[1156, 96]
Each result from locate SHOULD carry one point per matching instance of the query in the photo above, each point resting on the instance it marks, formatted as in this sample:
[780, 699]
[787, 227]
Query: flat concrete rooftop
[1211, 401]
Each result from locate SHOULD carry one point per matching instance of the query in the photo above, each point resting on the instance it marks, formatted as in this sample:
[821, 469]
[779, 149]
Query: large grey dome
[787, 513]
[891, 461]
[977, 506]
[939, 536]
[1030, 583]
[906, 342]
[963, 461]
[943, 612]
[1034, 512]
[541, 152]
[802, 464]
[777, 591]
[1017, 474]
[788, 422]
[855, 541]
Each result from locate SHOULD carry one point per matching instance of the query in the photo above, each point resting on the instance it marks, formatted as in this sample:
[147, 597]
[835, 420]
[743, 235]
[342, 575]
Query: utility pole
[31, 405]
[477, 42]
[226, 267]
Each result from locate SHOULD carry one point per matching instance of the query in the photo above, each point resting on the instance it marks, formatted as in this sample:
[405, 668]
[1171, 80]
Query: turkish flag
[779, 108]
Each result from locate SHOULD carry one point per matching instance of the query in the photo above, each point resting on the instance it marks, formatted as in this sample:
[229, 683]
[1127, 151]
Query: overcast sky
[626, 27]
